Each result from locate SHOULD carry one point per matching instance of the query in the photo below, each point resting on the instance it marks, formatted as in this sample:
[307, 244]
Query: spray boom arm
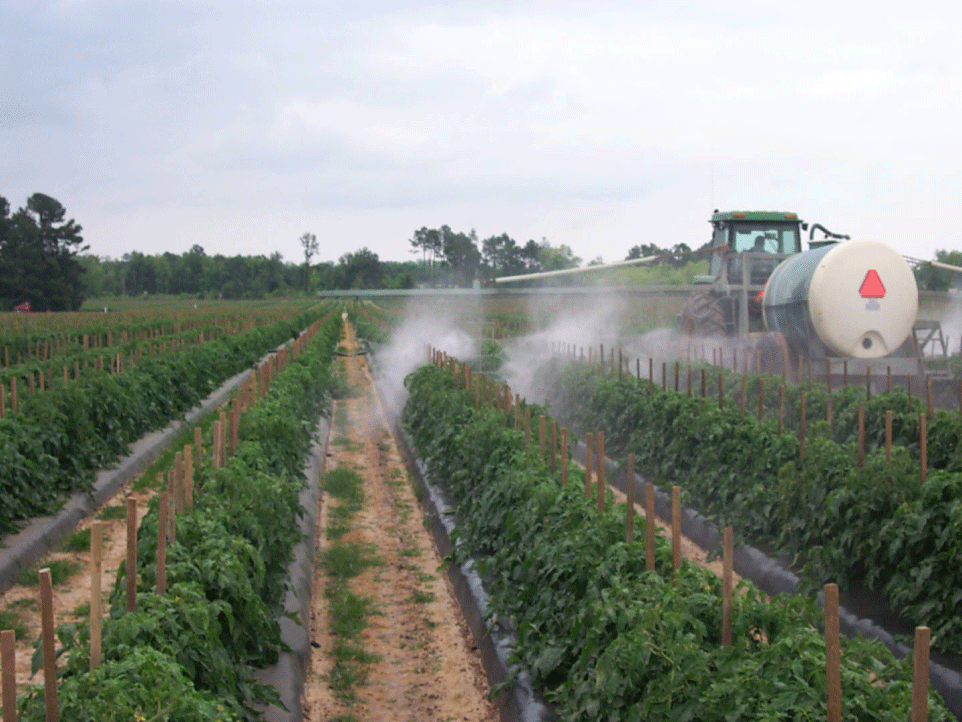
[570, 271]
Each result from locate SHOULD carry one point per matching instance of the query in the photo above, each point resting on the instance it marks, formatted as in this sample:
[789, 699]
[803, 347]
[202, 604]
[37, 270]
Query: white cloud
[161, 124]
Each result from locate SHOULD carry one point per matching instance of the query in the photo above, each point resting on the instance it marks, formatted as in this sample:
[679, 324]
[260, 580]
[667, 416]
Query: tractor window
[790, 242]
[765, 240]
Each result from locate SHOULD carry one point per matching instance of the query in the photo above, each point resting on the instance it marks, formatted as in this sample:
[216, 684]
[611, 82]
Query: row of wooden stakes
[176, 499]
[595, 466]
[41, 380]
[924, 417]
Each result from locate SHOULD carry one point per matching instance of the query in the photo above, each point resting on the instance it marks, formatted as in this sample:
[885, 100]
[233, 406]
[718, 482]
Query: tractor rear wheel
[704, 315]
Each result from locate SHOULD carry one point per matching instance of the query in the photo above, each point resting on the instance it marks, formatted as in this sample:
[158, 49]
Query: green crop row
[943, 429]
[602, 637]
[876, 524]
[57, 440]
[190, 654]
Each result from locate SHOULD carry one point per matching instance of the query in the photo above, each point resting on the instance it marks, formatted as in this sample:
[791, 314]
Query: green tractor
[747, 246]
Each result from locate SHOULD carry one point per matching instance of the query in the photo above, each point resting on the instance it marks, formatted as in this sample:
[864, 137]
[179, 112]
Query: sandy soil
[427, 666]
[71, 598]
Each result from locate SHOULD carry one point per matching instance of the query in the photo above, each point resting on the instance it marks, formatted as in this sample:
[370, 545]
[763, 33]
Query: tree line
[41, 262]
[38, 256]
[444, 258]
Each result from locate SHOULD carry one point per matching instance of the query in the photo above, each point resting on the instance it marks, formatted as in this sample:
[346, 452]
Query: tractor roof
[764, 216]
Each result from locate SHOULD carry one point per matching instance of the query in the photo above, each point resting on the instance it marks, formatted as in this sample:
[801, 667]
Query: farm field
[430, 653]
[413, 658]
[402, 643]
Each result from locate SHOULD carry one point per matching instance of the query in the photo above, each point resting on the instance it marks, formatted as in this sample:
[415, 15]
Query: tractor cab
[747, 247]
[769, 237]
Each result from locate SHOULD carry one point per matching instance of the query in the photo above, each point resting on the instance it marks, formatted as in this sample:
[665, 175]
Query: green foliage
[57, 440]
[60, 571]
[78, 541]
[876, 525]
[38, 252]
[191, 653]
[603, 637]
[490, 356]
[145, 684]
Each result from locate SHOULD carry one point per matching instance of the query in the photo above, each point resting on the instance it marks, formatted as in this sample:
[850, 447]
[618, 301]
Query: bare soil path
[425, 665]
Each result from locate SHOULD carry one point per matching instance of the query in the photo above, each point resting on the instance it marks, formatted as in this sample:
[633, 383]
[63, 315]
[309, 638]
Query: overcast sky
[239, 125]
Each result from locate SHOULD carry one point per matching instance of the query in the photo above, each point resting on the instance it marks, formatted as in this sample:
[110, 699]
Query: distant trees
[38, 256]
[361, 269]
[677, 255]
[309, 242]
[447, 258]
[930, 278]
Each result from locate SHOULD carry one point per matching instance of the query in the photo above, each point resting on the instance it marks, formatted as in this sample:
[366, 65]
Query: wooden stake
[727, 555]
[589, 462]
[828, 375]
[8, 671]
[188, 478]
[527, 427]
[178, 482]
[649, 527]
[49, 646]
[761, 397]
[833, 655]
[630, 521]
[781, 408]
[564, 456]
[861, 434]
[868, 382]
[600, 456]
[888, 436]
[928, 393]
[199, 445]
[923, 448]
[664, 375]
[675, 528]
[744, 394]
[920, 675]
[676, 377]
[801, 425]
[131, 555]
[554, 445]
[651, 376]
[96, 573]
[171, 505]
[222, 442]
[541, 440]
[162, 543]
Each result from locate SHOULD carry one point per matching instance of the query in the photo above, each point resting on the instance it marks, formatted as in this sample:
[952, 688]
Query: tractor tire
[704, 315]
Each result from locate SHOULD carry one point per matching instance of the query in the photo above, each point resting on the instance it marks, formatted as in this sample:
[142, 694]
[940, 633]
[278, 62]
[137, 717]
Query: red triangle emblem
[872, 286]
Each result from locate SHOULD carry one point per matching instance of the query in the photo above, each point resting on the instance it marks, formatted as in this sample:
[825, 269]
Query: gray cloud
[161, 124]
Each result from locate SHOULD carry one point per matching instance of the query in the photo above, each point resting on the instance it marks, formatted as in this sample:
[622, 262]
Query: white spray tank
[857, 298]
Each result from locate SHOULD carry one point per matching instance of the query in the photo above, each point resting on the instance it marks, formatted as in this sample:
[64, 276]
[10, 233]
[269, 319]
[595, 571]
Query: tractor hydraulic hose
[828, 233]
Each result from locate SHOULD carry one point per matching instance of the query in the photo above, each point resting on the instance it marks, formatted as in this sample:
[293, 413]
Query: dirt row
[425, 663]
